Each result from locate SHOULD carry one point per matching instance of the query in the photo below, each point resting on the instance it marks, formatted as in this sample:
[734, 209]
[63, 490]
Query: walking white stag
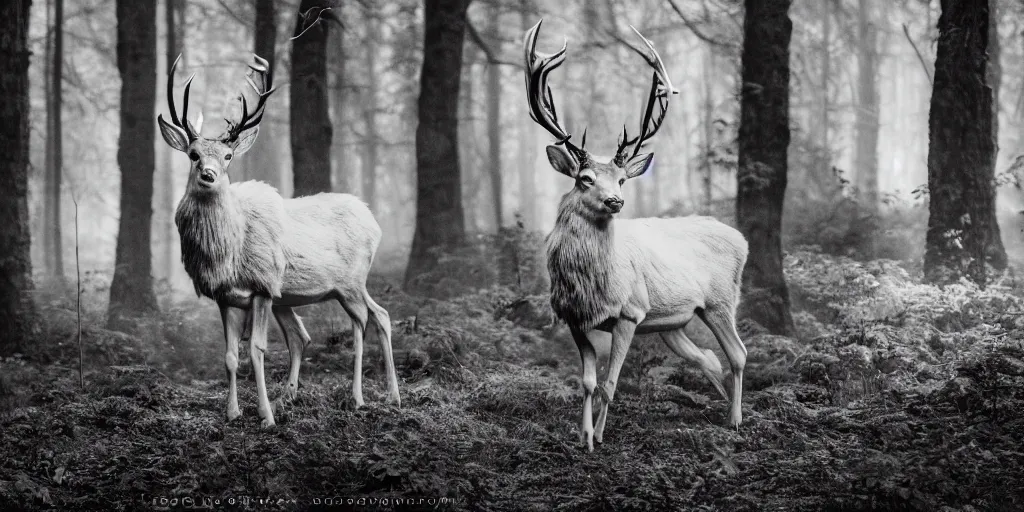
[633, 276]
[256, 253]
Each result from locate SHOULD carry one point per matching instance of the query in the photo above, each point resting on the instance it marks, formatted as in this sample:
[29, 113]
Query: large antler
[183, 121]
[661, 87]
[261, 85]
[538, 94]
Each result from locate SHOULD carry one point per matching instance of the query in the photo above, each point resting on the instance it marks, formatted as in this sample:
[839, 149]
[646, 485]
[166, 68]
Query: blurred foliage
[514, 257]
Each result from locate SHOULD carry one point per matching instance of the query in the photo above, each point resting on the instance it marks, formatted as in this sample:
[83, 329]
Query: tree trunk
[439, 215]
[131, 291]
[706, 163]
[53, 246]
[866, 157]
[263, 162]
[763, 146]
[826, 72]
[311, 130]
[58, 139]
[341, 169]
[469, 181]
[961, 151]
[996, 252]
[371, 143]
[175, 46]
[44, 222]
[527, 147]
[17, 311]
[494, 117]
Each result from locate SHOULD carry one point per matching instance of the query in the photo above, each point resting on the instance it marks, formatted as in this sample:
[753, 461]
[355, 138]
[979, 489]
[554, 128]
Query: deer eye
[227, 156]
[621, 181]
[194, 156]
[587, 180]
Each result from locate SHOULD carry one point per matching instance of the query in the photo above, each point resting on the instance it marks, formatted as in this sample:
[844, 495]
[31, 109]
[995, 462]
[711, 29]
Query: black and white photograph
[512, 255]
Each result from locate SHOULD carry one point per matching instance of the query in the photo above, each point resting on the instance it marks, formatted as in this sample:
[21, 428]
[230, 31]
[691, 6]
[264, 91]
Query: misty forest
[413, 241]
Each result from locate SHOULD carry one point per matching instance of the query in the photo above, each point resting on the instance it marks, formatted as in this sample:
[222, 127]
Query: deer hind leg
[722, 322]
[356, 308]
[297, 339]
[382, 319]
[261, 306]
[710, 366]
[622, 337]
[233, 320]
[589, 357]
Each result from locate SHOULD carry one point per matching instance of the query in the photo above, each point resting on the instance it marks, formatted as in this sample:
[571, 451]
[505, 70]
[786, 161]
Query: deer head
[599, 183]
[211, 157]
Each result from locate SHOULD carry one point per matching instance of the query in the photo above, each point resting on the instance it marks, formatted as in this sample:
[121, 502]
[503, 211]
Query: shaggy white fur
[639, 276]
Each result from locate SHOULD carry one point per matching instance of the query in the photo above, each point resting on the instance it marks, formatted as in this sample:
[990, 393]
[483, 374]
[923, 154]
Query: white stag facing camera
[634, 276]
[256, 253]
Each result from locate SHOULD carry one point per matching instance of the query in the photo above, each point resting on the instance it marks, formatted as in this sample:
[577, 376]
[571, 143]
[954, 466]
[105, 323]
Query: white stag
[256, 253]
[633, 276]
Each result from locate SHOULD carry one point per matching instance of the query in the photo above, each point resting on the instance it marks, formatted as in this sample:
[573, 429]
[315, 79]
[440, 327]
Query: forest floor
[896, 396]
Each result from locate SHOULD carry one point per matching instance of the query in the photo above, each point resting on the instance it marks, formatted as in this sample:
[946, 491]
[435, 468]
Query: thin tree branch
[696, 31]
[920, 57]
[488, 51]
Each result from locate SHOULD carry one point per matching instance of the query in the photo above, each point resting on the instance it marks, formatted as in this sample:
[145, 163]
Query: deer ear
[246, 140]
[175, 137]
[561, 161]
[638, 166]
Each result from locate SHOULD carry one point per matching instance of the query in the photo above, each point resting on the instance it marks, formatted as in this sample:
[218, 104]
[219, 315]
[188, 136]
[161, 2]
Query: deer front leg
[297, 339]
[589, 357]
[233, 320]
[257, 350]
[622, 337]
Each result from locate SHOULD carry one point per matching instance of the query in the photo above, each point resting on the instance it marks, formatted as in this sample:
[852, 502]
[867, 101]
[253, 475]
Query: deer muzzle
[207, 176]
[614, 204]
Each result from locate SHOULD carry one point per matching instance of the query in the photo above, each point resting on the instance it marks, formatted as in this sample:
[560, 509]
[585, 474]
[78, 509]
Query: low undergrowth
[895, 396]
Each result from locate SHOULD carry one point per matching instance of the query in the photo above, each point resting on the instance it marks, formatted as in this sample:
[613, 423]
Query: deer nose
[208, 175]
[614, 204]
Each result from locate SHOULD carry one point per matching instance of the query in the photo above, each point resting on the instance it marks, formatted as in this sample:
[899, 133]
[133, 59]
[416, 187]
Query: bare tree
[439, 214]
[473, 172]
[708, 114]
[371, 137]
[763, 146]
[866, 156]
[131, 291]
[311, 131]
[961, 146]
[340, 168]
[494, 133]
[263, 162]
[996, 252]
[53, 246]
[17, 311]
[175, 45]
[527, 147]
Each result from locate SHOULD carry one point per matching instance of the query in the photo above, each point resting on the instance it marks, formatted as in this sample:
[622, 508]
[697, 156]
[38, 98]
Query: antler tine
[655, 62]
[180, 122]
[184, 106]
[252, 119]
[661, 88]
[538, 93]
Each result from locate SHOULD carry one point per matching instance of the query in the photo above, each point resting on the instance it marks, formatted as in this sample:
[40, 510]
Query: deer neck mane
[212, 230]
[581, 264]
